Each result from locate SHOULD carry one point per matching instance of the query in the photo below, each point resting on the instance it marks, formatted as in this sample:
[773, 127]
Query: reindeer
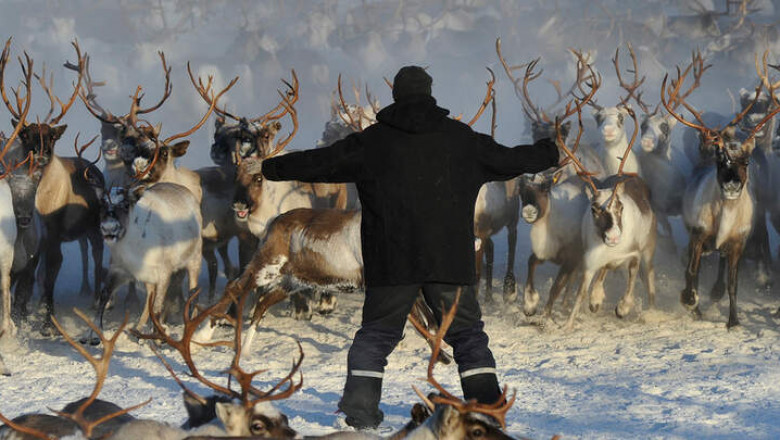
[246, 138]
[152, 232]
[452, 417]
[620, 228]
[17, 217]
[65, 200]
[553, 203]
[663, 175]
[85, 418]
[248, 412]
[718, 205]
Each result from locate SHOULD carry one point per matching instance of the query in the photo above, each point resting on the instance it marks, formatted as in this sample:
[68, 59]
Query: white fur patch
[271, 273]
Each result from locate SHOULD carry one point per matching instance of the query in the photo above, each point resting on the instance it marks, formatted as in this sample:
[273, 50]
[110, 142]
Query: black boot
[483, 387]
[360, 402]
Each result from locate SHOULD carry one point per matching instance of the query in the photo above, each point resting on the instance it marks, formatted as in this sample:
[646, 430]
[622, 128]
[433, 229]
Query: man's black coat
[418, 173]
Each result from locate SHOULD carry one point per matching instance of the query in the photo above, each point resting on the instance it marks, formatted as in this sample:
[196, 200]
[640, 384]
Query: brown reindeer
[718, 204]
[67, 204]
[233, 143]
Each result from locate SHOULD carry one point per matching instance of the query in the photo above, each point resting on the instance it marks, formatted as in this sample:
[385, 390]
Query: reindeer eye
[665, 129]
[257, 427]
[620, 118]
[477, 432]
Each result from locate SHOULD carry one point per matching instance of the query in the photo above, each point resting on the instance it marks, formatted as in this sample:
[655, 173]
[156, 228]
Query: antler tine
[528, 106]
[630, 145]
[90, 85]
[203, 92]
[101, 370]
[372, 101]
[770, 91]
[583, 173]
[489, 96]
[48, 89]
[345, 115]
[80, 150]
[438, 338]
[632, 87]
[288, 104]
[168, 367]
[184, 344]
[76, 87]
[592, 81]
[671, 99]
[4, 57]
[203, 120]
[26, 429]
[167, 89]
[292, 94]
[292, 387]
[22, 115]
[508, 69]
[763, 74]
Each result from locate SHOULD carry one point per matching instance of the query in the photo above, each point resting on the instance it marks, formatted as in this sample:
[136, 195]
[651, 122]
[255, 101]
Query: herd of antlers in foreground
[159, 220]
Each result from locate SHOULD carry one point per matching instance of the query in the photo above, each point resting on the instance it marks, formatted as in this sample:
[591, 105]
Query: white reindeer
[152, 233]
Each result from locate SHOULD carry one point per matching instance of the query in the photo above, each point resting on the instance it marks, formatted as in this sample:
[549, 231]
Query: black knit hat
[410, 81]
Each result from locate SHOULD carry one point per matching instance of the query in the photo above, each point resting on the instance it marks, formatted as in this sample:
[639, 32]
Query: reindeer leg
[647, 272]
[761, 234]
[230, 270]
[83, 247]
[597, 293]
[689, 296]
[272, 298]
[25, 283]
[719, 289]
[302, 303]
[489, 254]
[510, 285]
[96, 241]
[7, 325]
[627, 302]
[212, 266]
[53, 264]
[565, 273]
[587, 277]
[530, 295]
[734, 255]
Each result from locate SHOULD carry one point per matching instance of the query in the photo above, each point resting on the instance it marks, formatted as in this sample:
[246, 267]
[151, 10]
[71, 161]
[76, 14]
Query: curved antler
[489, 96]
[635, 84]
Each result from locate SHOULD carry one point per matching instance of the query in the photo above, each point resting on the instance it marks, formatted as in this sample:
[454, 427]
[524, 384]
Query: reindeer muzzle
[530, 213]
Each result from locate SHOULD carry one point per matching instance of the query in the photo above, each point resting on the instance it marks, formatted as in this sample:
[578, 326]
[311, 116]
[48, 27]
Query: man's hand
[549, 150]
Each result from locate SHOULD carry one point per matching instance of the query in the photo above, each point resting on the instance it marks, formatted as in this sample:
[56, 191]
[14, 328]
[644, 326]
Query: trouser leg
[469, 342]
[384, 315]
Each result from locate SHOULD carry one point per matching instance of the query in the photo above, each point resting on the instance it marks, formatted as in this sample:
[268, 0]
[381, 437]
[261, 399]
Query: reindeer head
[611, 122]
[761, 106]
[731, 161]
[249, 188]
[656, 132]
[242, 140]
[145, 155]
[447, 423]
[38, 138]
[261, 420]
[24, 186]
[606, 209]
[535, 194]
[114, 212]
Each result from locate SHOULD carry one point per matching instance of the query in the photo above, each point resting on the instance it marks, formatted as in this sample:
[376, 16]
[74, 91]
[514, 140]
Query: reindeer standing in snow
[718, 205]
[619, 229]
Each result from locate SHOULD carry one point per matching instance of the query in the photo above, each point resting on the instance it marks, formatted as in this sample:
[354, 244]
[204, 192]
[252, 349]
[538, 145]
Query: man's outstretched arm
[503, 163]
[338, 163]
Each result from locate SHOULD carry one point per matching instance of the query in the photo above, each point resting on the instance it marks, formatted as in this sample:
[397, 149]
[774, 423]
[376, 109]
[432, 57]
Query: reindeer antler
[22, 114]
[64, 107]
[490, 95]
[101, 371]
[289, 99]
[673, 97]
[22, 103]
[635, 84]
[497, 410]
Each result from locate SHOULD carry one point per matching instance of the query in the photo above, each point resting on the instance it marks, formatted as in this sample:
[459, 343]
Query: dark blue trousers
[384, 316]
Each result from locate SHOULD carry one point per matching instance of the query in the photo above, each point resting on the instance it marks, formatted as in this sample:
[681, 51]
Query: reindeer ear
[450, 419]
[219, 122]
[230, 415]
[743, 93]
[14, 122]
[58, 131]
[180, 148]
[671, 120]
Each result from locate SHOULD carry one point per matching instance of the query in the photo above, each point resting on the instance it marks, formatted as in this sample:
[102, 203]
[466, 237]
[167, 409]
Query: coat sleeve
[503, 163]
[339, 163]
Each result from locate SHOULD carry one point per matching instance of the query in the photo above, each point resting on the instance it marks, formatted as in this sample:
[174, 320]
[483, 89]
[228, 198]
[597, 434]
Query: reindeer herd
[600, 210]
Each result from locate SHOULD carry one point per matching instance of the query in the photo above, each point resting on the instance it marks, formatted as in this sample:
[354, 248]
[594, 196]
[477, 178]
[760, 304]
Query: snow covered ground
[656, 374]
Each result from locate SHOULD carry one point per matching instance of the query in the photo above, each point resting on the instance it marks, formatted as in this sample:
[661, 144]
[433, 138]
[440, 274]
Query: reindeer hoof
[90, 340]
[690, 299]
[595, 307]
[48, 330]
[327, 304]
[732, 323]
[510, 288]
[622, 310]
